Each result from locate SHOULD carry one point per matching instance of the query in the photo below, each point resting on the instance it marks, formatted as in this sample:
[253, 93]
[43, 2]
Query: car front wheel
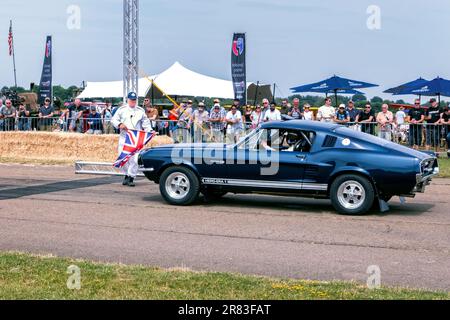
[179, 186]
[352, 194]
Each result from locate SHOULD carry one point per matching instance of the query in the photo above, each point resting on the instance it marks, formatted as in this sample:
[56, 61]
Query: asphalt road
[50, 210]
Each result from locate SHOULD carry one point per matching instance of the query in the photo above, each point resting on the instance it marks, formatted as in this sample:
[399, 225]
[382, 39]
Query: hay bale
[63, 147]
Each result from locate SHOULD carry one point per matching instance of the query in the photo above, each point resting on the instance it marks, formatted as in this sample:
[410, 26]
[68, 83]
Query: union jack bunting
[135, 141]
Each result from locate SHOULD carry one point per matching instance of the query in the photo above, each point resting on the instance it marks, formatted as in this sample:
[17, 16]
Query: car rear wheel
[352, 194]
[179, 186]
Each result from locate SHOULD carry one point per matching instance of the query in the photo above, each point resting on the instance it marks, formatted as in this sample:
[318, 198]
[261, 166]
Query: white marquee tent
[175, 81]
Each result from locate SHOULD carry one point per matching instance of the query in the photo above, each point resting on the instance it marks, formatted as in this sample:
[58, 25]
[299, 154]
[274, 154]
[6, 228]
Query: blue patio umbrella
[436, 87]
[341, 91]
[412, 84]
[333, 85]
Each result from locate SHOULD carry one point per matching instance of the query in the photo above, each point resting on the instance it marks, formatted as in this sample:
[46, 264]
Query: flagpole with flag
[12, 51]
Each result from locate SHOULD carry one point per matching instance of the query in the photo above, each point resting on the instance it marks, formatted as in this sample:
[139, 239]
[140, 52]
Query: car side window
[296, 141]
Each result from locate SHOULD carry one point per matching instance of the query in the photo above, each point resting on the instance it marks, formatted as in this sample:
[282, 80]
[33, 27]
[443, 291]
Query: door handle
[301, 156]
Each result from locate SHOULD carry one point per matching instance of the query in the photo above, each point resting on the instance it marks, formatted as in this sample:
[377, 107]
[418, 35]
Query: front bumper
[424, 180]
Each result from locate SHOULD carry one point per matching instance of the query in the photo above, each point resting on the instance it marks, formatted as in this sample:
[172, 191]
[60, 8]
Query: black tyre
[352, 194]
[179, 186]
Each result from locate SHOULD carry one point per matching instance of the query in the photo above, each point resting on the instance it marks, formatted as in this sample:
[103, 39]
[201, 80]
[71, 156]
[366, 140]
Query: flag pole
[14, 56]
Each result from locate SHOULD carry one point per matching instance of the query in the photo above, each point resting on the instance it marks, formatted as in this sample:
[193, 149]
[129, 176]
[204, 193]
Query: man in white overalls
[130, 117]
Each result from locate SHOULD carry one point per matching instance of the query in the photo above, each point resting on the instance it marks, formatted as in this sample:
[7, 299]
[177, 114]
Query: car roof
[300, 124]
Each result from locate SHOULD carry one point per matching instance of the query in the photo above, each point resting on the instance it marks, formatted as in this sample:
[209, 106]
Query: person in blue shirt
[342, 116]
[94, 122]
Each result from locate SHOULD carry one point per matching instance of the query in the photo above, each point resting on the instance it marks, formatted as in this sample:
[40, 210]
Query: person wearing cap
[385, 119]
[94, 121]
[342, 117]
[433, 117]
[46, 113]
[130, 117]
[199, 122]
[326, 112]
[217, 122]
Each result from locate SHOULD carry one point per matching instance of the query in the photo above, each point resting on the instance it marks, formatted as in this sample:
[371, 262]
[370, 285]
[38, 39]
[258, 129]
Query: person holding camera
[23, 122]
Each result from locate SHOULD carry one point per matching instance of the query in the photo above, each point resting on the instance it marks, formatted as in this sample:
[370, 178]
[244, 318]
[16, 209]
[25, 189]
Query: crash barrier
[421, 135]
[99, 168]
[62, 147]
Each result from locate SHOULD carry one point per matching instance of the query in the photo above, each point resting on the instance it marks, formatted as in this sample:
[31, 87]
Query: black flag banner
[238, 68]
[45, 86]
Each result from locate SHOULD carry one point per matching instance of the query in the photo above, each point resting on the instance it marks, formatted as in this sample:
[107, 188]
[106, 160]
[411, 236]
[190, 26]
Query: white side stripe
[265, 184]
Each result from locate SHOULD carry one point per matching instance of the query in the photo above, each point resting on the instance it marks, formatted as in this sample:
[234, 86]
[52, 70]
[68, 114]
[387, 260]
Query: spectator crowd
[417, 126]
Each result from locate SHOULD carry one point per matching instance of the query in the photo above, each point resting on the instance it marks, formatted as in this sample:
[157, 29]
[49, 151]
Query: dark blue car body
[333, 151]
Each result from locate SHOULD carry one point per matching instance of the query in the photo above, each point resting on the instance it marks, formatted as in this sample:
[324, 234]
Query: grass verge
[444, 168]
[24, 276]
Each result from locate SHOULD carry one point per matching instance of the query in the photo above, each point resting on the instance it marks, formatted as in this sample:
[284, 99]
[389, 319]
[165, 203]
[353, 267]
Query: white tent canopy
[175, 81]
[111, 89]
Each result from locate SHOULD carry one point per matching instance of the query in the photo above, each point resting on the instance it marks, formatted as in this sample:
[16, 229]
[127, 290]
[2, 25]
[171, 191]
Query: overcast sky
[289, 42]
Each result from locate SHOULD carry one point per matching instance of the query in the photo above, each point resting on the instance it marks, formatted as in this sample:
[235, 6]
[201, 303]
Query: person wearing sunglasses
[415, 118]
[366, 119]
[8, 114]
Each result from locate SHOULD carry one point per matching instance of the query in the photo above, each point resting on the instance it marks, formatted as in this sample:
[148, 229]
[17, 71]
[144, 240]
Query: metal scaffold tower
[130, 46]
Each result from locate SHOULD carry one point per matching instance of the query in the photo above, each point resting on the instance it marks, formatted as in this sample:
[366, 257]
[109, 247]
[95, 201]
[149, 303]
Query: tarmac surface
[50, 210]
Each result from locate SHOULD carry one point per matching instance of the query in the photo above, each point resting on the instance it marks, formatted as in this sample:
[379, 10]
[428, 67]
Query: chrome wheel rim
[177, 185]
[351, 194]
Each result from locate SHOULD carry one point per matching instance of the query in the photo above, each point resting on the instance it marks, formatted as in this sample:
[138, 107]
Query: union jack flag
[135, 141]
[10, 39]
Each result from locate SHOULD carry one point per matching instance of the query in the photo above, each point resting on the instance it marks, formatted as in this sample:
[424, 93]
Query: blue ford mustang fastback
[294, 158]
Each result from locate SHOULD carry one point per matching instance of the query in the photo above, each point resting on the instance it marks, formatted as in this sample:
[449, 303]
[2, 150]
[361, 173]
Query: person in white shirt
[326, 112]
[307, 113]
[234, 125]
[130, 117]
[400, 126]
[273, 114]
[257, 116]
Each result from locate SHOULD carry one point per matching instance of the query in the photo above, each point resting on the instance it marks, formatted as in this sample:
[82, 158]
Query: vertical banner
[238, 68]
[45, 86]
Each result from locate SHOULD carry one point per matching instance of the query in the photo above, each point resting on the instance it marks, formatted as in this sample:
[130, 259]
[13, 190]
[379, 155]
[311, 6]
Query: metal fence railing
[432, 136]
